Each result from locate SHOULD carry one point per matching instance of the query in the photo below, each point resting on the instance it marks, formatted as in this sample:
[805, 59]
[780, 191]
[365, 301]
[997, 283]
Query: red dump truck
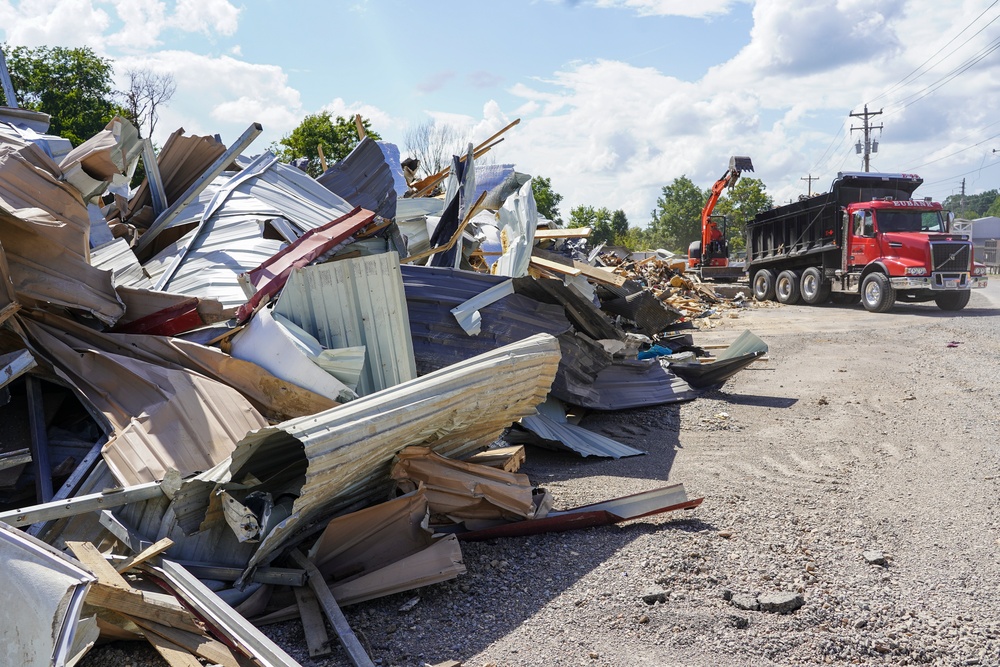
[866, 237]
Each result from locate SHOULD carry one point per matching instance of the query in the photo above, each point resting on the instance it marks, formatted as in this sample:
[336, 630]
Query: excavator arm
[710, 231]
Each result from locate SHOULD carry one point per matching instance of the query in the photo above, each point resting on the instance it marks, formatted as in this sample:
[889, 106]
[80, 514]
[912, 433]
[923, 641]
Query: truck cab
[908, 241]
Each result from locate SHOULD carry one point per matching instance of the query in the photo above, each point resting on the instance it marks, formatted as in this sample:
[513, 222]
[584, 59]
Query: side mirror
[951, 221]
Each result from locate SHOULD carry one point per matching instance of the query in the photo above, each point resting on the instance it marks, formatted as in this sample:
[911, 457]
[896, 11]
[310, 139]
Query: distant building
[985, 233]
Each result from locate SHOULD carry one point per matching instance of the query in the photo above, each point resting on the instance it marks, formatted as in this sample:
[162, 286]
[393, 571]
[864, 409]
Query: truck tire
[814, 287]
[952, 300]
[877, 293]
[763, 285]
[786, 287]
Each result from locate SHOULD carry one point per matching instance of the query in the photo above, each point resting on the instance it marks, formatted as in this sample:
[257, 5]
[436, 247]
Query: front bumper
[940, 281]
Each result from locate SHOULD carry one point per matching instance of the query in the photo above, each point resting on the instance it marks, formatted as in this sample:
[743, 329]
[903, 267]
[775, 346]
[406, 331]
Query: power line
[934, 55]
[950, 76]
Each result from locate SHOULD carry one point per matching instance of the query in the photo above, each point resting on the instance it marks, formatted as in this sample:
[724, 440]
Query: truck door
[864, 246]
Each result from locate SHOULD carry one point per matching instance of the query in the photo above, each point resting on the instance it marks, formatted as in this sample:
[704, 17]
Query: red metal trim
[171, 321]
[571, 520]
[272, 275]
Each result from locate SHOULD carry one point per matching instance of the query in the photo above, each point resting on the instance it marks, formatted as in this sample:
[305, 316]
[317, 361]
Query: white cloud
[70, 23]
[206, 16]
[222, 94]
[690, 8]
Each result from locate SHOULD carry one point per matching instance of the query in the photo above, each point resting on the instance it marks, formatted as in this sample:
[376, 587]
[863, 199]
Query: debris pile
[238, 392]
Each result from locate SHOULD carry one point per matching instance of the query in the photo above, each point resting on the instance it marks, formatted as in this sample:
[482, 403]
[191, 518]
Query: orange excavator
[710, 256]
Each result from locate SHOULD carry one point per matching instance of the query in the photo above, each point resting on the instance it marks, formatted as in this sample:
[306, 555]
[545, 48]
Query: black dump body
[794, 234]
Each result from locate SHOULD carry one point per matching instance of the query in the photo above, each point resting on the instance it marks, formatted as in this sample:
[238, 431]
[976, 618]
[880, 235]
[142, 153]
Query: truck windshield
[910, 221]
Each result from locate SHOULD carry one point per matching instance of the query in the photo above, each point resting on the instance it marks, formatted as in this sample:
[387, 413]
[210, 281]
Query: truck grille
[950, 256]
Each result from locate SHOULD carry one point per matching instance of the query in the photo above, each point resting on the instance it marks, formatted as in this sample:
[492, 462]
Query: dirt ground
[859, 433]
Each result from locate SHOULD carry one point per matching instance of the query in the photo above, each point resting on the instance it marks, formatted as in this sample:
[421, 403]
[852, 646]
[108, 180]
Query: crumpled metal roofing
[635, 383]
[336, 458]
[740, 354]
[438, 338]
[117, 257]
[364, 179]
[551, 426]
[229, 218]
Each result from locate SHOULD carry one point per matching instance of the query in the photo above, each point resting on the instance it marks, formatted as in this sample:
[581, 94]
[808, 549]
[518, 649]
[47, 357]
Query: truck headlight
[916, 271]
[979, 271]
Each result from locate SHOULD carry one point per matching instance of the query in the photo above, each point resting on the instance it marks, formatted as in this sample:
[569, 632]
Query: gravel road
[856, 472]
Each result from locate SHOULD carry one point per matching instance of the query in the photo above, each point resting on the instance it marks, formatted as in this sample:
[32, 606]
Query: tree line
[673, 224]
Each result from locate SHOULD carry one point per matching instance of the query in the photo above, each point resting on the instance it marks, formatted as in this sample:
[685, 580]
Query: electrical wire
[935, 54]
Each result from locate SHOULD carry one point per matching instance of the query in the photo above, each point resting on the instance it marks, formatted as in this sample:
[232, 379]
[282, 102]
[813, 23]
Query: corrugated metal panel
[576, 438]
[118, 258]
[634, 383]
[343, 454]
[740, 354]
[354, 302]
[364, 179]
[438, 339]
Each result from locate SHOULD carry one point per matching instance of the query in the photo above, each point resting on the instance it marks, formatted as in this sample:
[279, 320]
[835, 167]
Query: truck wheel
[763, 285]
[814, 287]
[952, 300]
[786, 287]
[877, 293]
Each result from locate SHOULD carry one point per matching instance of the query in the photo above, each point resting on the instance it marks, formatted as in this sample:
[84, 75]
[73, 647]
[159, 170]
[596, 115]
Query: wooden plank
[504, 458]
[214, 651]
[150, 552]
[571, 233]
[175, 655]
[359, 657]
[595, 273]
[454, 237]
[313, 624]
[139, 605]
[94, 561]
[554, 267]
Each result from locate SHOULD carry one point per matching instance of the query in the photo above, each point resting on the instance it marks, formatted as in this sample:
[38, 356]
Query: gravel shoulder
[859, 433]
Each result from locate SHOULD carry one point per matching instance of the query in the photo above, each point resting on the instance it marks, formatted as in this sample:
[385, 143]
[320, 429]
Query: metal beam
[156, 190]
[222, 617]
[61, 509]
[192, 192]
[39, 439]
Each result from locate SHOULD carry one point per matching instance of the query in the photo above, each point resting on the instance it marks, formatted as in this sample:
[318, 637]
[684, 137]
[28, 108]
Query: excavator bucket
[740, 163]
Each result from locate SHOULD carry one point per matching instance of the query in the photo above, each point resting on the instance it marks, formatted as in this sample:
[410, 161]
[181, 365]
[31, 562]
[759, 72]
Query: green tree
[619, 224]
[546, 199]
[599, 221]
[676, 220]
[740, 204]
[994, 208]
[338, 136]
[971, 206]
[73, 86]
[634, 239]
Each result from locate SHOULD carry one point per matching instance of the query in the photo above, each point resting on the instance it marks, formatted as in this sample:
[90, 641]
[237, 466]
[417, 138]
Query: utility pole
[963, 195]
[868, 147]
[810, 178]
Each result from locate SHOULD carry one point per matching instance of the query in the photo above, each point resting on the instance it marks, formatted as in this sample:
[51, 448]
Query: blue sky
[616, 97]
